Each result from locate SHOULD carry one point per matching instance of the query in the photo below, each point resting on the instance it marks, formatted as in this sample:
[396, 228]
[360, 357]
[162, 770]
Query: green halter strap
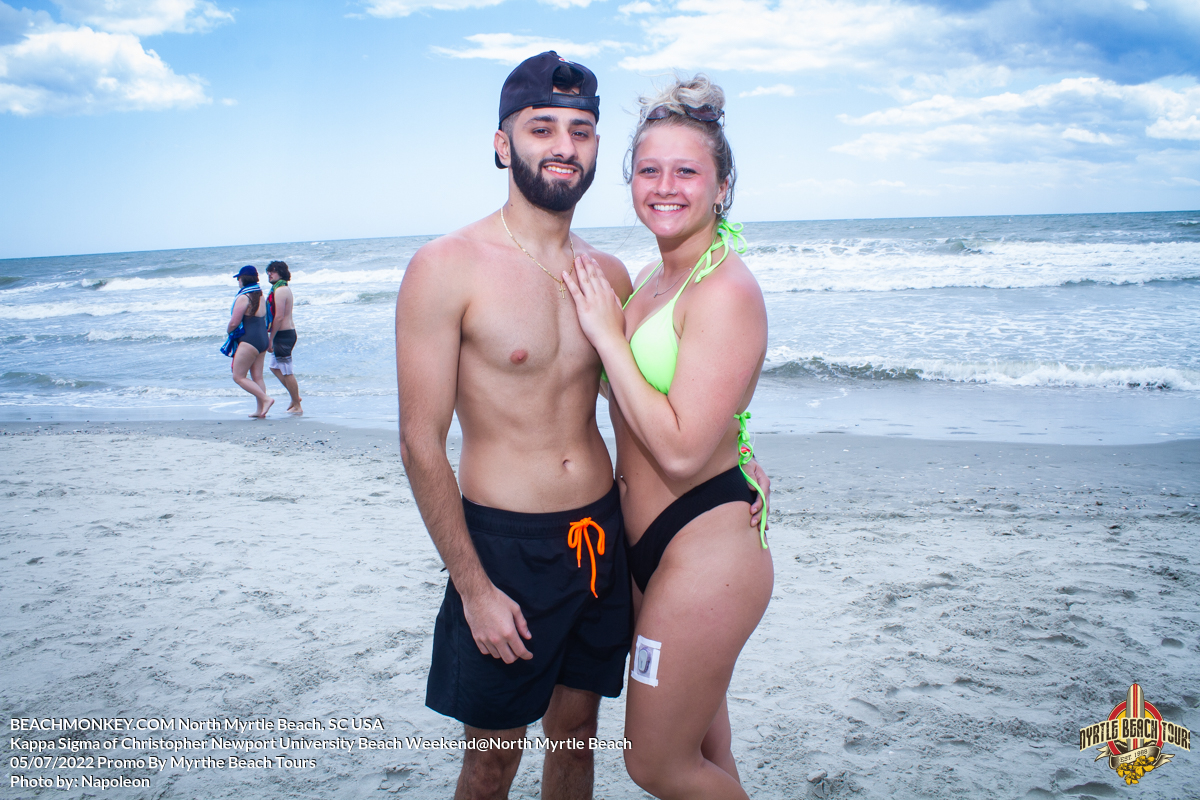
[729, 238]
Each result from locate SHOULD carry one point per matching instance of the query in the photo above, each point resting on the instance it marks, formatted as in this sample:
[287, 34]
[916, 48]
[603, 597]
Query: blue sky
[147, 124]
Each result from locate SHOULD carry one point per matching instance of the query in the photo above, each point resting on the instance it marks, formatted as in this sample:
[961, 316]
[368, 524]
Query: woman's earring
[718, 208]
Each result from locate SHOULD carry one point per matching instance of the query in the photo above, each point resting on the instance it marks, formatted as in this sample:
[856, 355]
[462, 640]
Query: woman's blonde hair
[694, 93]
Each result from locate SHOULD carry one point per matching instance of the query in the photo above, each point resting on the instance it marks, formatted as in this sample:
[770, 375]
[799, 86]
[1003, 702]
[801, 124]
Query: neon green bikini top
[655, 346]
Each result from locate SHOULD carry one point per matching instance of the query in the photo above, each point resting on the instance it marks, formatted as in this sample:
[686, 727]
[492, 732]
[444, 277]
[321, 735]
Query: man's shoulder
[603, 258]
[614, 268]
[463, 246]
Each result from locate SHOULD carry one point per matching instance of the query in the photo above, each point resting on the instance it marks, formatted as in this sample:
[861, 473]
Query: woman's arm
[722, 348]
[239, 309]
[618, 278]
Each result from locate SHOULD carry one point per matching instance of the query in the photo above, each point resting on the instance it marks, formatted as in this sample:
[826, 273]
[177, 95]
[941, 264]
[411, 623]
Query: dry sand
[946, 615]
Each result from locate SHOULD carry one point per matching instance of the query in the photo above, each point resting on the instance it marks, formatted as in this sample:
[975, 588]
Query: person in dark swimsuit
[682, 360]
[249, 316]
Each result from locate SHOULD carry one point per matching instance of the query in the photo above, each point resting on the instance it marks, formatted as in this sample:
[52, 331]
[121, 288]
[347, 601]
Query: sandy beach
[946, 614]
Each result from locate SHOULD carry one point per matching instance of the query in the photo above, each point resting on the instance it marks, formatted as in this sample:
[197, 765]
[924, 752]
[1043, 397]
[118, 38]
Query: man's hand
[755, 471]
[497, 625]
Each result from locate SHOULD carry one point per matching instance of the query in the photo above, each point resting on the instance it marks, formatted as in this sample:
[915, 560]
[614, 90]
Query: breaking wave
[1000, 373]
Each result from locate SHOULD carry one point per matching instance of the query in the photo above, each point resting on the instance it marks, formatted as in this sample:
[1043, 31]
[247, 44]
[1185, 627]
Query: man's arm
[283, 307]
[429, 312]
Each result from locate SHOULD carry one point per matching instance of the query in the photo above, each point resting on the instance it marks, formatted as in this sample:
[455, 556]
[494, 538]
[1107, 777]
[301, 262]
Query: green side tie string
[745, 453]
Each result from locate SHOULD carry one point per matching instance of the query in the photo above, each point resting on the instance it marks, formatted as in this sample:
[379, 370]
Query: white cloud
[390, 9]
[1071, 95]
[1175, 128]
[965, 142]
[976, 78]
[509, 48]
[144, 17]
[402, 8]
[781, 89]
[60, 69]
[785, 36]
[934, 45]
[639, 7]
[1086, 136]
[1046, 121]
[228, 101]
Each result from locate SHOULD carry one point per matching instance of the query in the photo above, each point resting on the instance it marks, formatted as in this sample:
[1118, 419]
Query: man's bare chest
[523, 329]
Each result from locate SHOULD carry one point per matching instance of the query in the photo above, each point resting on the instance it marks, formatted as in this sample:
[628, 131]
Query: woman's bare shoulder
[731, 286]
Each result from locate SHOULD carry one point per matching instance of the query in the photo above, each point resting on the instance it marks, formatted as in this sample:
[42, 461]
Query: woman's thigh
[256, 367]
[703, 602]
[244, 358]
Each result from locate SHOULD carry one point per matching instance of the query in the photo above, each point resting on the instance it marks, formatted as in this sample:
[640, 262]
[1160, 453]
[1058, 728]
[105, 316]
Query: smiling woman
[681, 372]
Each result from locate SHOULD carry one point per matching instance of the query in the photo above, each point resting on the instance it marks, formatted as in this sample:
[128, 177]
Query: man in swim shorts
[536, 617]
[282, 331]
[535, 622]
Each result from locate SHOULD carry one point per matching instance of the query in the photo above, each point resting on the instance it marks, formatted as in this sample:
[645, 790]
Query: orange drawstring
[576, 536]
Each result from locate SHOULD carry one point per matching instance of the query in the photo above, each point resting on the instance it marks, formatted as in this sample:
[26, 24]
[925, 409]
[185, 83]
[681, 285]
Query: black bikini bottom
[728, 487]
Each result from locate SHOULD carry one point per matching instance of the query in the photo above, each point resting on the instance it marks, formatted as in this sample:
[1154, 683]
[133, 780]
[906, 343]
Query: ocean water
[1066, 328]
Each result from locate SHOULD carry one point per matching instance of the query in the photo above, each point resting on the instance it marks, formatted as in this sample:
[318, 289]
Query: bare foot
[266, 408]
[295, 408]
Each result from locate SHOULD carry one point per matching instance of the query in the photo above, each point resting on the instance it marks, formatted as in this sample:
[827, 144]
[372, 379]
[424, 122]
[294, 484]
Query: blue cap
[247, 270]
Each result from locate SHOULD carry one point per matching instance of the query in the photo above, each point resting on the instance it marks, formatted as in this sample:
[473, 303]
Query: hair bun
[697, 92]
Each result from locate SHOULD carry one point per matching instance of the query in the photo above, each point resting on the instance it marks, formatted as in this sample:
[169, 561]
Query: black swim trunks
[283, 343]
[581, 620]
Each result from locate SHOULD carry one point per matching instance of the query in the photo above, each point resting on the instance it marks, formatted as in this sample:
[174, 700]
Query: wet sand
[946, 615]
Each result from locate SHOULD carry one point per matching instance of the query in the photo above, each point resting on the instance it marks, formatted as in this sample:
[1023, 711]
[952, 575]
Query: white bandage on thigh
[645, 661]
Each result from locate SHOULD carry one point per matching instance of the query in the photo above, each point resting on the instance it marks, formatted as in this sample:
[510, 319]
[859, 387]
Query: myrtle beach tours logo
[1133, 736]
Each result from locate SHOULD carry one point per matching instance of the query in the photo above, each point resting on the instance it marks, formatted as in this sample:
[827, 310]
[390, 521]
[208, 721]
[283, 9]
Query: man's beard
[552, 195]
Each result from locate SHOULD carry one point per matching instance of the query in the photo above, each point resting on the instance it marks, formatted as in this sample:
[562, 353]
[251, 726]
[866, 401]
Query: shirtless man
[484, 329]
[281, 335]
[536, 617]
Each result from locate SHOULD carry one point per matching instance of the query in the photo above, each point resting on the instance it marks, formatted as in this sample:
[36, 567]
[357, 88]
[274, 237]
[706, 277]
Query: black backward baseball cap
[533, 83]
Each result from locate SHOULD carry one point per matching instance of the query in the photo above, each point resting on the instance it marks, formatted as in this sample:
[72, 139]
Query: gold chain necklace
[562, 285]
